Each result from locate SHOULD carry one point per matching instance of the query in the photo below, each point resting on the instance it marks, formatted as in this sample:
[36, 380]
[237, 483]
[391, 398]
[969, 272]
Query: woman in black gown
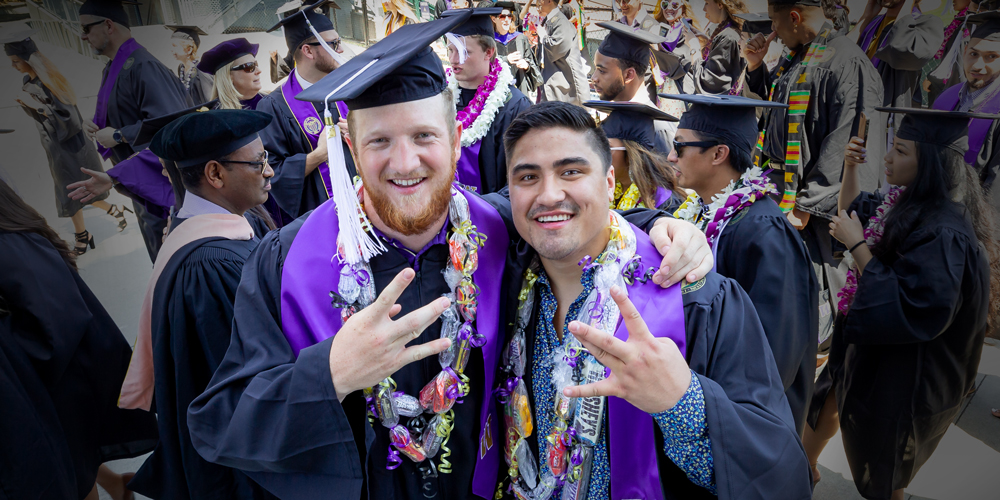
[52, 104]
[907, 350]
[62, 362]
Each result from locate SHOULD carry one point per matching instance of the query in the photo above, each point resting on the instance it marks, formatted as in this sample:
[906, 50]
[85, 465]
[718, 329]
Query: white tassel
[944, 70]
[341, 60]
[357, 243]
[459, 43]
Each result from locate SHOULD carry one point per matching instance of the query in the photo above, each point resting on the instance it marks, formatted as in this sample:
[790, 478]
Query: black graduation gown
[199, 88]
[289, 395]
[909, 44]
[145, 89]
[492, 157]
[287, 147]
[761, 250]
[63, 361]
[67, 149]
[526, 80]
[755, 448]
[908, 349]
[191, 323]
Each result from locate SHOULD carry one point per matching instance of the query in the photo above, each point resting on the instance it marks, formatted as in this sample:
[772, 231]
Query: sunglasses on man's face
[334, 44]
[249, 67]
[86, 27]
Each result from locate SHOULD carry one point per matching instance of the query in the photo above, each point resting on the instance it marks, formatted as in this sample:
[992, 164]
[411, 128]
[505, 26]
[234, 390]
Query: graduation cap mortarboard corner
[804, 3]
[151, 126]
[754, 23]
[630, 121]
[733, 118]
[108, 9]
[948, 129]
[625, 42]
[224, 53]
[480, 21]
[19, 43]
[399, 68]
[303, 24]
[987, 25]
[193, 32]
[197, 138]
[6, 130]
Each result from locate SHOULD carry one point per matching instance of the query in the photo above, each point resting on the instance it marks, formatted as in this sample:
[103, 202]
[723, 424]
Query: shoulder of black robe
[145, 89]
[287, 147]
[192, 319]
[755, 449]
[77, 353]
[261, 380]
[201, 87]
[764, 254]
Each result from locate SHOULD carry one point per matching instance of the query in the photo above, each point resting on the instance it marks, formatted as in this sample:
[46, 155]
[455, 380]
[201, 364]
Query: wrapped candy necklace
[421, 440]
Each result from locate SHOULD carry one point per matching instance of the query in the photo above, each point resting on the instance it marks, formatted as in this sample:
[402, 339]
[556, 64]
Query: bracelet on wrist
[856, 245]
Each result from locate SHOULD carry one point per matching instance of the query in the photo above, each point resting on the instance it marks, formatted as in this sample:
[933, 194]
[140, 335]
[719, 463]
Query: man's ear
[215, 174]
[611, 183]
[457, 147]
[629, 75]
[721, 154]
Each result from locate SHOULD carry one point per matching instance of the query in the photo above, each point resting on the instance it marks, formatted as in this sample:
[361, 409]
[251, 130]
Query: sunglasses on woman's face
[249, 67]
[504, 16]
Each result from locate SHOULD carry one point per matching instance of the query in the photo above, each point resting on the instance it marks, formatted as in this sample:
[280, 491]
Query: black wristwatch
[117, 136]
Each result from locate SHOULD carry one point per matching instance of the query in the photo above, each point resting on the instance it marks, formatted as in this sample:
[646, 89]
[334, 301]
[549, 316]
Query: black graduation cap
[296, 25]
[151, 126]
[948, 129]
[733, 118]
[19, 43]
[196, 138]
[511, 6]
[630, 44]
[193, 32]
[399, 68]
[225, 53]
[789, 3]
[987, 25]
[109, 9]
[6, 130]
[754, 23]
[480, 22]
[630, 121]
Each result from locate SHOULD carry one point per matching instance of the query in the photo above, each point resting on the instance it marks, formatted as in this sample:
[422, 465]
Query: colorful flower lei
[478, 116]
[873, 234]
[711, 219]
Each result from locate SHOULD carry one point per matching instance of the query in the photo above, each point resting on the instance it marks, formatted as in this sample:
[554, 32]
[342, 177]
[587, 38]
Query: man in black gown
[223, 167]
[756, 245]
[296, 368]
[693, 405]
[292, 140]
[472, 51]
[135, 86]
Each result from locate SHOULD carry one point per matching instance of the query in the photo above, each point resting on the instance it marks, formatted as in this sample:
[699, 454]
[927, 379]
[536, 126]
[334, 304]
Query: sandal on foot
[83, 240]
[119, 213]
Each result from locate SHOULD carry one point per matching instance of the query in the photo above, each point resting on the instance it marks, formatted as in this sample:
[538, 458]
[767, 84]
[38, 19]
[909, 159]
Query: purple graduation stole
[142, 174]
[978, 127]
[662, 196]
[467, 170]
[310, 272]
[634, 471]
[868, 37]
[310, 123]
[108, 85]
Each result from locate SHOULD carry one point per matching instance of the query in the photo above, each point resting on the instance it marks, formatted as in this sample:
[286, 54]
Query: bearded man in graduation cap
[135, 87]
[293, 140]
[980, 93]
[327, 306]
[692, 407]
[486, 99]
[754, 243]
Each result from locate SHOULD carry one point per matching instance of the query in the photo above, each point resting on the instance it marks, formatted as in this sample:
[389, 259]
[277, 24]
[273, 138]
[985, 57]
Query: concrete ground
[965, 465]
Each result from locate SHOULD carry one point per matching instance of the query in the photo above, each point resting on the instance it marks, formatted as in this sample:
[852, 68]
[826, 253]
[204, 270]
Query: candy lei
[431, 415]
[478, 116]
[570, 446]
[711, 219]
[873, 234]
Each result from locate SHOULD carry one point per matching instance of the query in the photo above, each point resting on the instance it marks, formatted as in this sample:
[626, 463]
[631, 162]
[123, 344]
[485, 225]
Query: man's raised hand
[372, 346]
[648, 372]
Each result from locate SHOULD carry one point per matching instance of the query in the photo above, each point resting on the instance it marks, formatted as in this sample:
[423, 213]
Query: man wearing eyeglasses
[296, 139]
[135, 87]
[185, 331]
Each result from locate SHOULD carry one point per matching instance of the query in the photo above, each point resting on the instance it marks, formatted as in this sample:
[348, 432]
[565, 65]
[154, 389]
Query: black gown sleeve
[755, 449]
[158, 92]
[261, 386]
[914, 299]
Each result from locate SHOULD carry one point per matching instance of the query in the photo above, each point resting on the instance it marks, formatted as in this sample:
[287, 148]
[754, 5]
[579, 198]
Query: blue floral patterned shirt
[684, 427]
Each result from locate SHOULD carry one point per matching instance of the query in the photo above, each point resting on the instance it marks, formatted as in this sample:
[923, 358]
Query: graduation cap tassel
[341, 60]
[354, 240]
[944, 69]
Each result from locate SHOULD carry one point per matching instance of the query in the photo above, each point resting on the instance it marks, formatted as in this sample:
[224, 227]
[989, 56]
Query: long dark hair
[650, 170]
[943, 178]
[17, 217]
